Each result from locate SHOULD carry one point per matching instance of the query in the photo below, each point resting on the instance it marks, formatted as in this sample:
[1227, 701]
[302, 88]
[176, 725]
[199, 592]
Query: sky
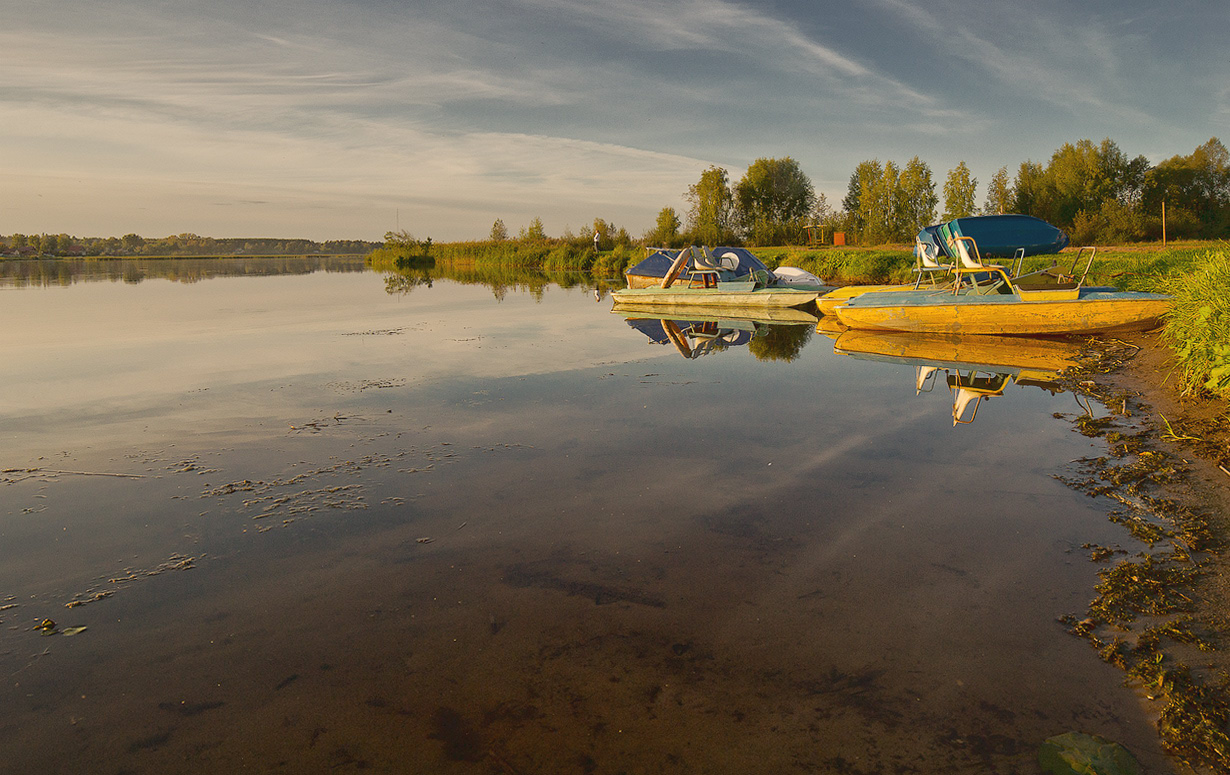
[345, 119]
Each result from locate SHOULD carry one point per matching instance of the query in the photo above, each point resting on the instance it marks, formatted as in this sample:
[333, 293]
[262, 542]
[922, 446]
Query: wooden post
[1163, 223]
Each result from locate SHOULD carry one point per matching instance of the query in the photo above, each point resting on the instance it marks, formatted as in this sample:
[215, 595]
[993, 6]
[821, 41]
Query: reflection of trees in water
[401, 283]
[778, 342]
[500, 279]
[66, 271]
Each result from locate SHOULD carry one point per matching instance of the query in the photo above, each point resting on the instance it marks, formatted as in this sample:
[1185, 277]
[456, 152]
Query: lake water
[313, 518]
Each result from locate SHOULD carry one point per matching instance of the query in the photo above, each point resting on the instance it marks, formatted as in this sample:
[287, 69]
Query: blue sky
[341, 119]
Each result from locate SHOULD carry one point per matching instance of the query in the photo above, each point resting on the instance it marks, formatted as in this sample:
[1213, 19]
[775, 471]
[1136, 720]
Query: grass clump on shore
[1198, 325]
[846, 266]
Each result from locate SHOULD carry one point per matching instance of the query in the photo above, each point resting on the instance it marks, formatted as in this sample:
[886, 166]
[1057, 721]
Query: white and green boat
[723, 277]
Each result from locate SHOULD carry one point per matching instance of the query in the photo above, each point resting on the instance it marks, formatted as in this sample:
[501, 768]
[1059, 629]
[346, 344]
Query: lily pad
[1076, 753]
[72, 630]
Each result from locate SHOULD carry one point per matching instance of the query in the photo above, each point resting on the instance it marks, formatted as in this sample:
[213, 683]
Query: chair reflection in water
[967, 388]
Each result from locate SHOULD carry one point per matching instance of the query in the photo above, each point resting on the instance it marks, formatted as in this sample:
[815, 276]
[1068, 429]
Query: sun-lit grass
[1198, 326]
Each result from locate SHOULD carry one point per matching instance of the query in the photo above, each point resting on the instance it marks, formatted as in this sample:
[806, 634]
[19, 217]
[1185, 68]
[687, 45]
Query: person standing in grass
[596, 235]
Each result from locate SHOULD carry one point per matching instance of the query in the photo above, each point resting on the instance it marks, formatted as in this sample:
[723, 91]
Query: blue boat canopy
[659, 263]
[999, 236]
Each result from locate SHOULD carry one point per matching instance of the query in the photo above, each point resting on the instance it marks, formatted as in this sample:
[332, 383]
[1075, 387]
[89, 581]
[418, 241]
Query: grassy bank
[1198, 326]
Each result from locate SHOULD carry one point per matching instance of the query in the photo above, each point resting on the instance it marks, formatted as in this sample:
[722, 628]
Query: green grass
[1198, 325]
[845, 266]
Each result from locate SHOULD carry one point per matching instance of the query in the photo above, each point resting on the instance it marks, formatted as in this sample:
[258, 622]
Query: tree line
[1095, 192]
[174, 245]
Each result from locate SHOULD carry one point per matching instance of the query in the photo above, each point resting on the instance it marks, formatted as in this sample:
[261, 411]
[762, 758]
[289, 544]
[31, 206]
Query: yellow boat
[1011, 311]
[829, 302]
[1030, 305]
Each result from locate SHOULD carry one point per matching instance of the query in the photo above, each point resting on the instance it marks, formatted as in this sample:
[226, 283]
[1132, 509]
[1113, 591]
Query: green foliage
[1197, 185]
[499, 232]
[665, 232]
[534, 232]
[844, 265]
[180, 245]
[773, 201]
[711, 208]
[999, 194]
[616, 262]
[960, 192]
[868, 215]
[885, 204]
[1198, 325]
[401, 250]
[914, 202]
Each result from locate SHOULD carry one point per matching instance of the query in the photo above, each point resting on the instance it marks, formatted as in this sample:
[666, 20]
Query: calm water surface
[312, 525]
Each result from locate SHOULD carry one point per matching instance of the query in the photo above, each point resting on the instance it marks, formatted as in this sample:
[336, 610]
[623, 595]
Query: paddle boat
[721, 277]
[1043, 303]
[937, 247]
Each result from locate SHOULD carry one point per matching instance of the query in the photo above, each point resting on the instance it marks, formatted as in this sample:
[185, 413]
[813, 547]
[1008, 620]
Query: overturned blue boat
[997, 236]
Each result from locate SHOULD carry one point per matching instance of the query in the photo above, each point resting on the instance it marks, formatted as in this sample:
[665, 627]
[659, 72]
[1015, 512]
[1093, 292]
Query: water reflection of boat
[697, 331]
[974, 367]
[715, 313]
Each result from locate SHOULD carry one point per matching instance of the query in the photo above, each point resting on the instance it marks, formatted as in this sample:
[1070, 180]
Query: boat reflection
[974, 367]
[773, 334]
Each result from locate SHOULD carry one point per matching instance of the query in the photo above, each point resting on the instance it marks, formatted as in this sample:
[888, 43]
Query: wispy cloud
[458, 113]
[1069, 65]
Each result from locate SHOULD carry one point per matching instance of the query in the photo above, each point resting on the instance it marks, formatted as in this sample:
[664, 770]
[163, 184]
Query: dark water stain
[151, 743]
[342, 757]
[601, 594]
[188, 709]
[511, 712]
[462, 742]
[287, 681]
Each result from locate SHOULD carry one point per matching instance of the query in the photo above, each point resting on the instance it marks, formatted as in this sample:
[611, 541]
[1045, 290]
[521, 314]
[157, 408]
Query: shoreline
[1162, 614]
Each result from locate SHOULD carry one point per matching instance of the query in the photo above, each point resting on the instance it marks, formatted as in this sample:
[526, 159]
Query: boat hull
[1092, 311]
[781, 298]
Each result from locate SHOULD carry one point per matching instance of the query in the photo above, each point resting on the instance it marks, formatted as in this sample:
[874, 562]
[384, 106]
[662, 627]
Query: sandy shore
[1191, 438]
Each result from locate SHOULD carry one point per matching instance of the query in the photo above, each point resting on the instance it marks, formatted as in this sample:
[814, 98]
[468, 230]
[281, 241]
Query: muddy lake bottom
[312, 525]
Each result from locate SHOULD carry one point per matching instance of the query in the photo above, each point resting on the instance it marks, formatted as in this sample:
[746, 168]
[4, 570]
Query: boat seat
[928, 262]
[970, 263]
[703, 259]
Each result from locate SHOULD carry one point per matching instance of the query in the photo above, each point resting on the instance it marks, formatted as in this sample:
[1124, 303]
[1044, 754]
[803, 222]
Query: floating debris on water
[130, 575]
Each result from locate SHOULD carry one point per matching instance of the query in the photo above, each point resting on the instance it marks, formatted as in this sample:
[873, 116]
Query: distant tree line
[175, 245]
[1093, 191]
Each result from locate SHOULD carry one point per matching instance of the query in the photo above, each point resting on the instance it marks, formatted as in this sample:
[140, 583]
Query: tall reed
[1198, 325]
